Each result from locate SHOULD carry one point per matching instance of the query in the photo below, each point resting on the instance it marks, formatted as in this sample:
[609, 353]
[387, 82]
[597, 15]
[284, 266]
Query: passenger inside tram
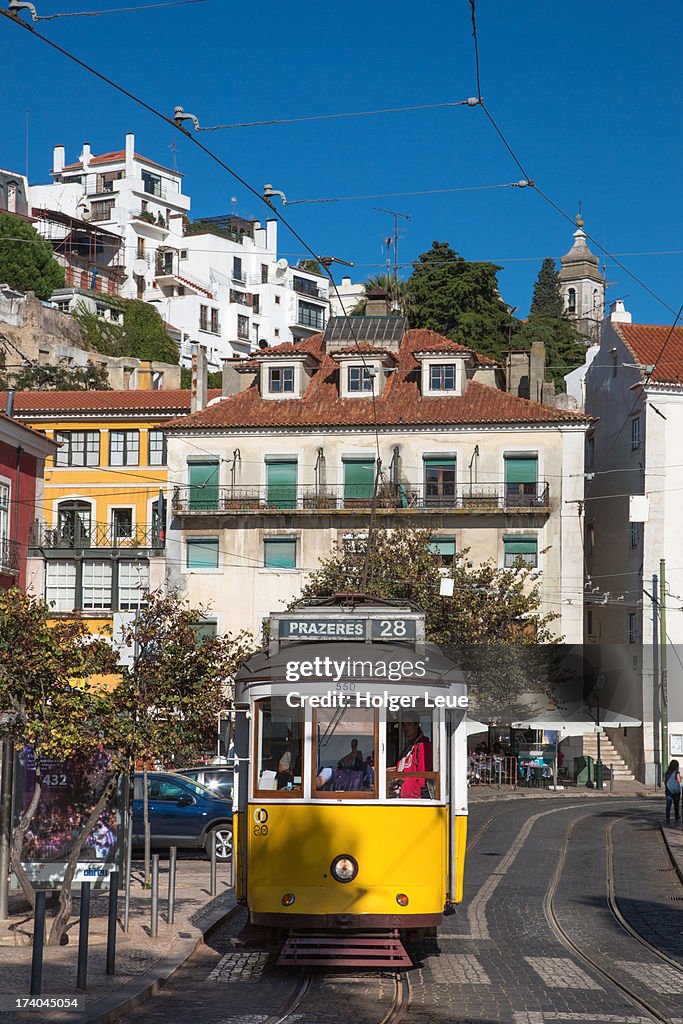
[341, 737]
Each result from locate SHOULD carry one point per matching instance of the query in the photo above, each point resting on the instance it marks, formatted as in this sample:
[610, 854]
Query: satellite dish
[84, 209]
[281, 266]
[140, 268]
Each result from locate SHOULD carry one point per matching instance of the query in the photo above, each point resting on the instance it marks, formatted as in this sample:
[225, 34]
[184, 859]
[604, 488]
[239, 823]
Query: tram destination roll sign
[381, 628]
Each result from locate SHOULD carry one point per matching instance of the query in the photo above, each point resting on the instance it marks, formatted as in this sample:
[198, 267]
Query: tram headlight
[344, 868]
[288, 899]
[402, 899]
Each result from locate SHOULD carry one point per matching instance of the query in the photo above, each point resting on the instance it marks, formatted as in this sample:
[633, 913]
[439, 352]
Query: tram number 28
[393, 629]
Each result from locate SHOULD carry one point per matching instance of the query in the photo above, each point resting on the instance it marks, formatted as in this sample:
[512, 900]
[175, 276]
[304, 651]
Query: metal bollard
[111, 922]
[232, 862]
[128, 869]
[171, 884]
[212, 888]
[83, 923]
[611, 777]
[38, 940]
[154, 920]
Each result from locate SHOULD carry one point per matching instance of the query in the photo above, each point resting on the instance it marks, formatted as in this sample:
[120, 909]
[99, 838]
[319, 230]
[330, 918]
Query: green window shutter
[202, 554]
[521, 470]
[204, 478]
[444, 546]
[281, 483]
[524, 548]
[205, 628]
[359, 478]
[279, 553]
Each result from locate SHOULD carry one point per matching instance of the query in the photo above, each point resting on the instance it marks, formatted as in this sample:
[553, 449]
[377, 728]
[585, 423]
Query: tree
[381, 282]
[62, 377]
[213, 380]
[564, 347]
[141, 333]
[26, 260]
[493, 622]
[459, 299]
[311, 267]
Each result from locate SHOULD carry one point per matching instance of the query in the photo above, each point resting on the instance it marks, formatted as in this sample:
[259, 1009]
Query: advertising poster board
[69, 791]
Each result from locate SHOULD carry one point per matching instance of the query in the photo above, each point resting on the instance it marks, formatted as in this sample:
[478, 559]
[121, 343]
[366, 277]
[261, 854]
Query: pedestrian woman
[672, 784]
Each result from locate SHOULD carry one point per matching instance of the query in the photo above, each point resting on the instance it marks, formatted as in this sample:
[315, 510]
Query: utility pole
[662, 665]
[655, 677]
[395, 215]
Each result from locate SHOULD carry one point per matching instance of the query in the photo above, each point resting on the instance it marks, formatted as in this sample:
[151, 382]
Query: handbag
[673, 786]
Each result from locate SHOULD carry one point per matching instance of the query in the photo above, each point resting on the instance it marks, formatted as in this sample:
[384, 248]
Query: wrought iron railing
[95, 535]
[498, 497]
[9, 554]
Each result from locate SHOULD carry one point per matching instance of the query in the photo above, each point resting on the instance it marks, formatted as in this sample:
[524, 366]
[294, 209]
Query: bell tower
[582, 285]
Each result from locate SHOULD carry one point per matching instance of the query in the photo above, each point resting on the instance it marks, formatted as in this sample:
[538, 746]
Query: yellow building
[98, 542]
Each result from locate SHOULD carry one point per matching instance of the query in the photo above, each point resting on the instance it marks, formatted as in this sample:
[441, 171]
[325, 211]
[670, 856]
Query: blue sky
[588, 94]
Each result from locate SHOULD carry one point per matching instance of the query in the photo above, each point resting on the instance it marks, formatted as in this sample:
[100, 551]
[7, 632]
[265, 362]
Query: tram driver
[416, 755]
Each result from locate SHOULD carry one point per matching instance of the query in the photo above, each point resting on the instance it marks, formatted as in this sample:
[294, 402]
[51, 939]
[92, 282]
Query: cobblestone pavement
[533, 867]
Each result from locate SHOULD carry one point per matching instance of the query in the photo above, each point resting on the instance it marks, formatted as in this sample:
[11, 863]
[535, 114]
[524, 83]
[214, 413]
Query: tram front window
[412, 761]
[345, 744]
[279, 746]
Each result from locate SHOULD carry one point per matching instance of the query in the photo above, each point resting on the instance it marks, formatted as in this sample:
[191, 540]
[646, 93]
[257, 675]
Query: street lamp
[599, 683]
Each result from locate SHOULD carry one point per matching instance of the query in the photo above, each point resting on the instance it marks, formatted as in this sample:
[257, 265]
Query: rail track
[293, 1007]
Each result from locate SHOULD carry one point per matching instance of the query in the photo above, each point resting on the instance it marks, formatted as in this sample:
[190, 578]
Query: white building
[281, 469]
[119, 224]
[347, 295]
[634, 448]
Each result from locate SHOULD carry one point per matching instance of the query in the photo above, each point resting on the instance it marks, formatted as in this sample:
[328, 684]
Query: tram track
[293, 1008]
[566, 940]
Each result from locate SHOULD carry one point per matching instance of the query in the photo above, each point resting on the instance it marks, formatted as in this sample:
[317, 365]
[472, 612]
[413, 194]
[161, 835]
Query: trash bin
[584, 771]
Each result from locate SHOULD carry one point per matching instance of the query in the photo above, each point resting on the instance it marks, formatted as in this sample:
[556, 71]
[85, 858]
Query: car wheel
[223, 836]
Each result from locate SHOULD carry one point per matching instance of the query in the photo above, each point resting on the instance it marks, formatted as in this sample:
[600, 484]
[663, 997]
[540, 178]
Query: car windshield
[190, 785]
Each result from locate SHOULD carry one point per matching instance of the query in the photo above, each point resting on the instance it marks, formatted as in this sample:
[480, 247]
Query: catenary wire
[115, 10]
[390, 195]
[330, 117]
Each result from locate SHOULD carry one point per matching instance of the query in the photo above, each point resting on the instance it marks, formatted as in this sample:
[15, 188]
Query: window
[635, 534]
[264, 273]
[133, 585]
[589, 622]
[165, 263]
[281, 379]
[359, 480]
[281, 483]
[203, 318]
[635, 434]
[279, 553]
[205, 628]
[124, 447]
[302, 284]
[256, 304]
[73, 524]
[442, 378]
[412, 755]
[279, 746]
[311, 316]
[277, 300]
[215, 328]
[203, 479]
[516, 549]
[122, 523]
[183, 254]
[141, 248]
[152, 184]
[276, 332]
[101, 210]
[60, 585]
[571, 300]
[590, 452]
[237, 268]
[202, 553]
[360, 378]
[521, 479]
[157, 380]
[11, 197]
[78, 448]
[242, 326]
[590, 539]
[439, 476]
[632, 628]
[157, 448]
[97, 578]
[444, 548]
[346, 753]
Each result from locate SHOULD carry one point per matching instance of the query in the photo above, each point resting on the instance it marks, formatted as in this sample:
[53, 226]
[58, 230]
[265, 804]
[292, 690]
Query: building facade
[583, 286]
[280, 470]
[633, 451]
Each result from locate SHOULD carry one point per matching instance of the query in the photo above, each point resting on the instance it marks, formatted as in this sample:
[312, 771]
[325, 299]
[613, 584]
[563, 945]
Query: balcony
[82, 535]
[304, 287]
[9, 556]
[402, 498]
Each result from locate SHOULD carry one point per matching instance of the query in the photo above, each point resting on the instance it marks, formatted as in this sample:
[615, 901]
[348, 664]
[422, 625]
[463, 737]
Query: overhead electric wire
[329, 117]
[423, 192]
[115, 10]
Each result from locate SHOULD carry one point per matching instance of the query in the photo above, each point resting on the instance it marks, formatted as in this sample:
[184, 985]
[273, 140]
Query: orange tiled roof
[400, 404]
[45, 403]
[115, 157]
[646, 342]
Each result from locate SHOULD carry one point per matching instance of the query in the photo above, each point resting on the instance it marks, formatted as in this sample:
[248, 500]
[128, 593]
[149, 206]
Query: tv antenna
[395, 214]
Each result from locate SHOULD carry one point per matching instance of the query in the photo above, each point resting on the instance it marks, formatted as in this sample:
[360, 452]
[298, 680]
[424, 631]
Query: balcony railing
[9, 555]
[94, 535]
[308, 288]
[480, 498]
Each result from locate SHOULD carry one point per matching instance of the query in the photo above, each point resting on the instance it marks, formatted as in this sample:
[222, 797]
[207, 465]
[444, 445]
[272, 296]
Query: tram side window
[279, 739]
[345, 744]
[412, 757]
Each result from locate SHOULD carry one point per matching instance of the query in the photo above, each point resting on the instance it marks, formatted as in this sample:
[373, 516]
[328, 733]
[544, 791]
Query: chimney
[346, 282]
[618, 314]
[233, 381]
[377, 303]
[85, 156]
[9, 404]
[536, 371]
[130, 154]
[58, 157]
[198, 395]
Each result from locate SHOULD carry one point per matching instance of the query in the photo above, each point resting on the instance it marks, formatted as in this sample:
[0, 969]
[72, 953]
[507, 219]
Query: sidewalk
[143, 964]
[673, 837]
[482, 793]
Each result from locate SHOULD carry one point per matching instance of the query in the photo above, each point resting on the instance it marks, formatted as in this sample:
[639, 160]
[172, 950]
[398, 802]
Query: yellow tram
[351, 790]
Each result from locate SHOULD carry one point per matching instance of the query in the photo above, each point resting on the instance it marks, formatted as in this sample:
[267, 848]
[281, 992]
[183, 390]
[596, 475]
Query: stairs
[609, 756]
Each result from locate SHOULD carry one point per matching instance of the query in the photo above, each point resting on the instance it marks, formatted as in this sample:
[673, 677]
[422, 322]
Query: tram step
[362, 949]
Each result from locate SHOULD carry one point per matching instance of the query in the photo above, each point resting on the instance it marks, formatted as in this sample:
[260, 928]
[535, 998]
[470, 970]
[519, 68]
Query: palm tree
[382, 282]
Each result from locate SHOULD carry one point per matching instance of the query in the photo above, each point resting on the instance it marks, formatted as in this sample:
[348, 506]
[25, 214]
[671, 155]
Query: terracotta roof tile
[46, 402]
[116, 156]
[364, 348]
[287, 349]
[400, 404]
[646, 341]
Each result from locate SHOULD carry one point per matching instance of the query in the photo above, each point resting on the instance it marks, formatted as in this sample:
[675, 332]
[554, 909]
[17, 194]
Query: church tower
[582, 286]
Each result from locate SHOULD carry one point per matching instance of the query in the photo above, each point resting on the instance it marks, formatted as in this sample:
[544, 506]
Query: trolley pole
[663, 665]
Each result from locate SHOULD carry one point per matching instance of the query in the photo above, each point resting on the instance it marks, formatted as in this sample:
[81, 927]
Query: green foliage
[105, 336]
[26, 260]
[498, 608]
[62, 377]
[564, 347]
[311, 266]
[459, 299]
[385, 282]
[214, 380]
[547, 298]
[141, 333]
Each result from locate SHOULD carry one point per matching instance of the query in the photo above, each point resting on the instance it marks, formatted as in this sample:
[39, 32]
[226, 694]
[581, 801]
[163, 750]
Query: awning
[577, 721]
[475, 727]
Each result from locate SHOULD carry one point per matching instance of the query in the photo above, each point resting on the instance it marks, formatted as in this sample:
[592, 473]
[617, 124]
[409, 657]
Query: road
[572, 913]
